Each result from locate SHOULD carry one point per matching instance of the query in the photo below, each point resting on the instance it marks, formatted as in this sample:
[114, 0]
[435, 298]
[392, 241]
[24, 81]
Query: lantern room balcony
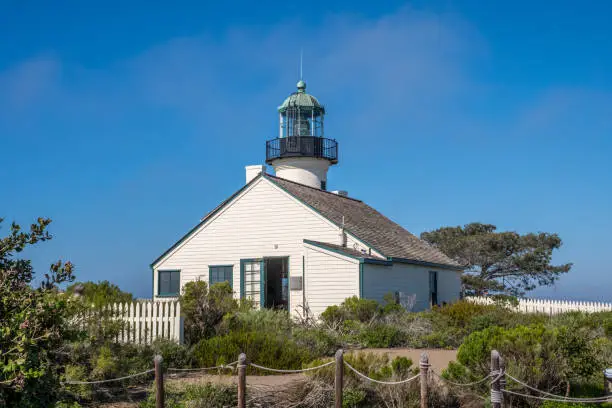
[302, 146]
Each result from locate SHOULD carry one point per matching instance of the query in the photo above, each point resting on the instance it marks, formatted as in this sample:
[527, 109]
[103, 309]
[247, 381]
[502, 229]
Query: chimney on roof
[341, 193]
[342, 235]
[254, 171]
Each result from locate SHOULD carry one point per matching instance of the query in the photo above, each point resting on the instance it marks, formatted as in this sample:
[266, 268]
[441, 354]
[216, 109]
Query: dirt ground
[438, 359]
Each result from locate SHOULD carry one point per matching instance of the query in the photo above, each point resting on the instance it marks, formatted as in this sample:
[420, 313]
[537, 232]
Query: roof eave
[425, 263]
[361, 259]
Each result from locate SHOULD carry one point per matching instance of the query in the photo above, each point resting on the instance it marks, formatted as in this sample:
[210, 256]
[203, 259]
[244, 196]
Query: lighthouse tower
[301, 153]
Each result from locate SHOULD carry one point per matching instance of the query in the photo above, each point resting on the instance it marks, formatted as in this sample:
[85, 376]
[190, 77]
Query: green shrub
[206, 395]
[380, 335]
[550, 359]
[375, 365]
[34, 322]
[204, 308]
[78, 373]
[319, 341]
[173, 354]
[361, 309]
[333, 316]
[100, 293]
[353, 398]
[266, 349]
[269, 320]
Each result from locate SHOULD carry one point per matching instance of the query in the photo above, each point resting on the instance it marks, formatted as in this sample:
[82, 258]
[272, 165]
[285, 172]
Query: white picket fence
[550, 307]
[147, 320]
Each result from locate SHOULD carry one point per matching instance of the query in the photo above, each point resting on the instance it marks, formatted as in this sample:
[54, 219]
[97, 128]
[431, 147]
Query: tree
[34, 322]
[100, 294]
[502, 262]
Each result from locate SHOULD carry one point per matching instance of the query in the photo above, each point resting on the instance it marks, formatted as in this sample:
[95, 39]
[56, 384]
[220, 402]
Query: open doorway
[277, 283]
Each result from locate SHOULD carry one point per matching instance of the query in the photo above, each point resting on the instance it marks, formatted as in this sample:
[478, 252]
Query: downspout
[361, 263]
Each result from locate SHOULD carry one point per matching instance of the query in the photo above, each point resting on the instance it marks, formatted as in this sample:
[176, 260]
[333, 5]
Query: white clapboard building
[283, 241]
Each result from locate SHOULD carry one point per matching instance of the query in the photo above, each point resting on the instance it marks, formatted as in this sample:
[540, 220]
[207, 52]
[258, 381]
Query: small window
[324, 185]
[433, 287]
[169, 283]
[221, 273]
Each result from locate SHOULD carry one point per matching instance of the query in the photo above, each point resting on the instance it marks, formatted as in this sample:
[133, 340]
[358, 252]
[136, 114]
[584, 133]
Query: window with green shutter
[220, 273]
[169, 283]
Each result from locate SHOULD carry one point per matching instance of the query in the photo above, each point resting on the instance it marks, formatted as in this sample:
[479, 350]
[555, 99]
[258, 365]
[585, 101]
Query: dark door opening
[277, 283]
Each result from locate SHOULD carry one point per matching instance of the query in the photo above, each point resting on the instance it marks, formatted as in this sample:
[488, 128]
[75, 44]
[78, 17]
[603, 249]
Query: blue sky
[125, 122]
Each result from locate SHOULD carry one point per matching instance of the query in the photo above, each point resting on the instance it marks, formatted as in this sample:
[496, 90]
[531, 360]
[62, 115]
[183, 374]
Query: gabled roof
[360, 220]
[366, 224]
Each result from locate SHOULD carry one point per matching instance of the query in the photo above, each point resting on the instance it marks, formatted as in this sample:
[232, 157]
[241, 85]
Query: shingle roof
[366, 224]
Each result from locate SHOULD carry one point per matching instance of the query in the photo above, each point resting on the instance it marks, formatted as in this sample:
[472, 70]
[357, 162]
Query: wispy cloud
[30, 82]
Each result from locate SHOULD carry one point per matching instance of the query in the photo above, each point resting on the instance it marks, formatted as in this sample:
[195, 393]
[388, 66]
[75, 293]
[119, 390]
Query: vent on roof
[342, 193]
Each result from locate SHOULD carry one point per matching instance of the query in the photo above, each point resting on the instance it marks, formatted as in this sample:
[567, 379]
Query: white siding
[263, 221]
[379, 280]
[330, 278]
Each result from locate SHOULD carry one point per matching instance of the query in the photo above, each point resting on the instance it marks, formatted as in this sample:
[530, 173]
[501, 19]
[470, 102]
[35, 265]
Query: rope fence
[470, 384]
[365, 377]
[303, 370]
[496, 378]
[71, 382]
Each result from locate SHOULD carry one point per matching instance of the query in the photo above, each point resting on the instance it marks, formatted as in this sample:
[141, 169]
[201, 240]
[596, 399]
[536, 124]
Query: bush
[266, 349]
[353, 398]
[34, 323]
[380, 335]
[195, 396]
[273, 321]
[204, 309]
[550, 359]
[100, 293]
[319, 341]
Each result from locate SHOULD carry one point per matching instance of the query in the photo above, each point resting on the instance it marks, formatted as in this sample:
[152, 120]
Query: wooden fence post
[496, 395]
[242, 380]
[424, 366]
[339, 377]
[502, 380]
[159, 382]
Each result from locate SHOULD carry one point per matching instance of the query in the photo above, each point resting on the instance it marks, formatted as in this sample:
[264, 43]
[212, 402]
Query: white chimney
[342, 193]
[342, 234]
[254, 171]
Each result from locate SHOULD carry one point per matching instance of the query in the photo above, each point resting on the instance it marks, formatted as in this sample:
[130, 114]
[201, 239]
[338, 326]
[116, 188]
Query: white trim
[331, 253]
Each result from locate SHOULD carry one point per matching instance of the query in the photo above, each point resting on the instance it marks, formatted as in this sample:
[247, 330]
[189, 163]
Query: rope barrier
[381, 382]
[69, 382]
[499, 373]
[600, 399]
[560, 397]
[276, 370]
[496, 397]
[229, 366]
[462, 384]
